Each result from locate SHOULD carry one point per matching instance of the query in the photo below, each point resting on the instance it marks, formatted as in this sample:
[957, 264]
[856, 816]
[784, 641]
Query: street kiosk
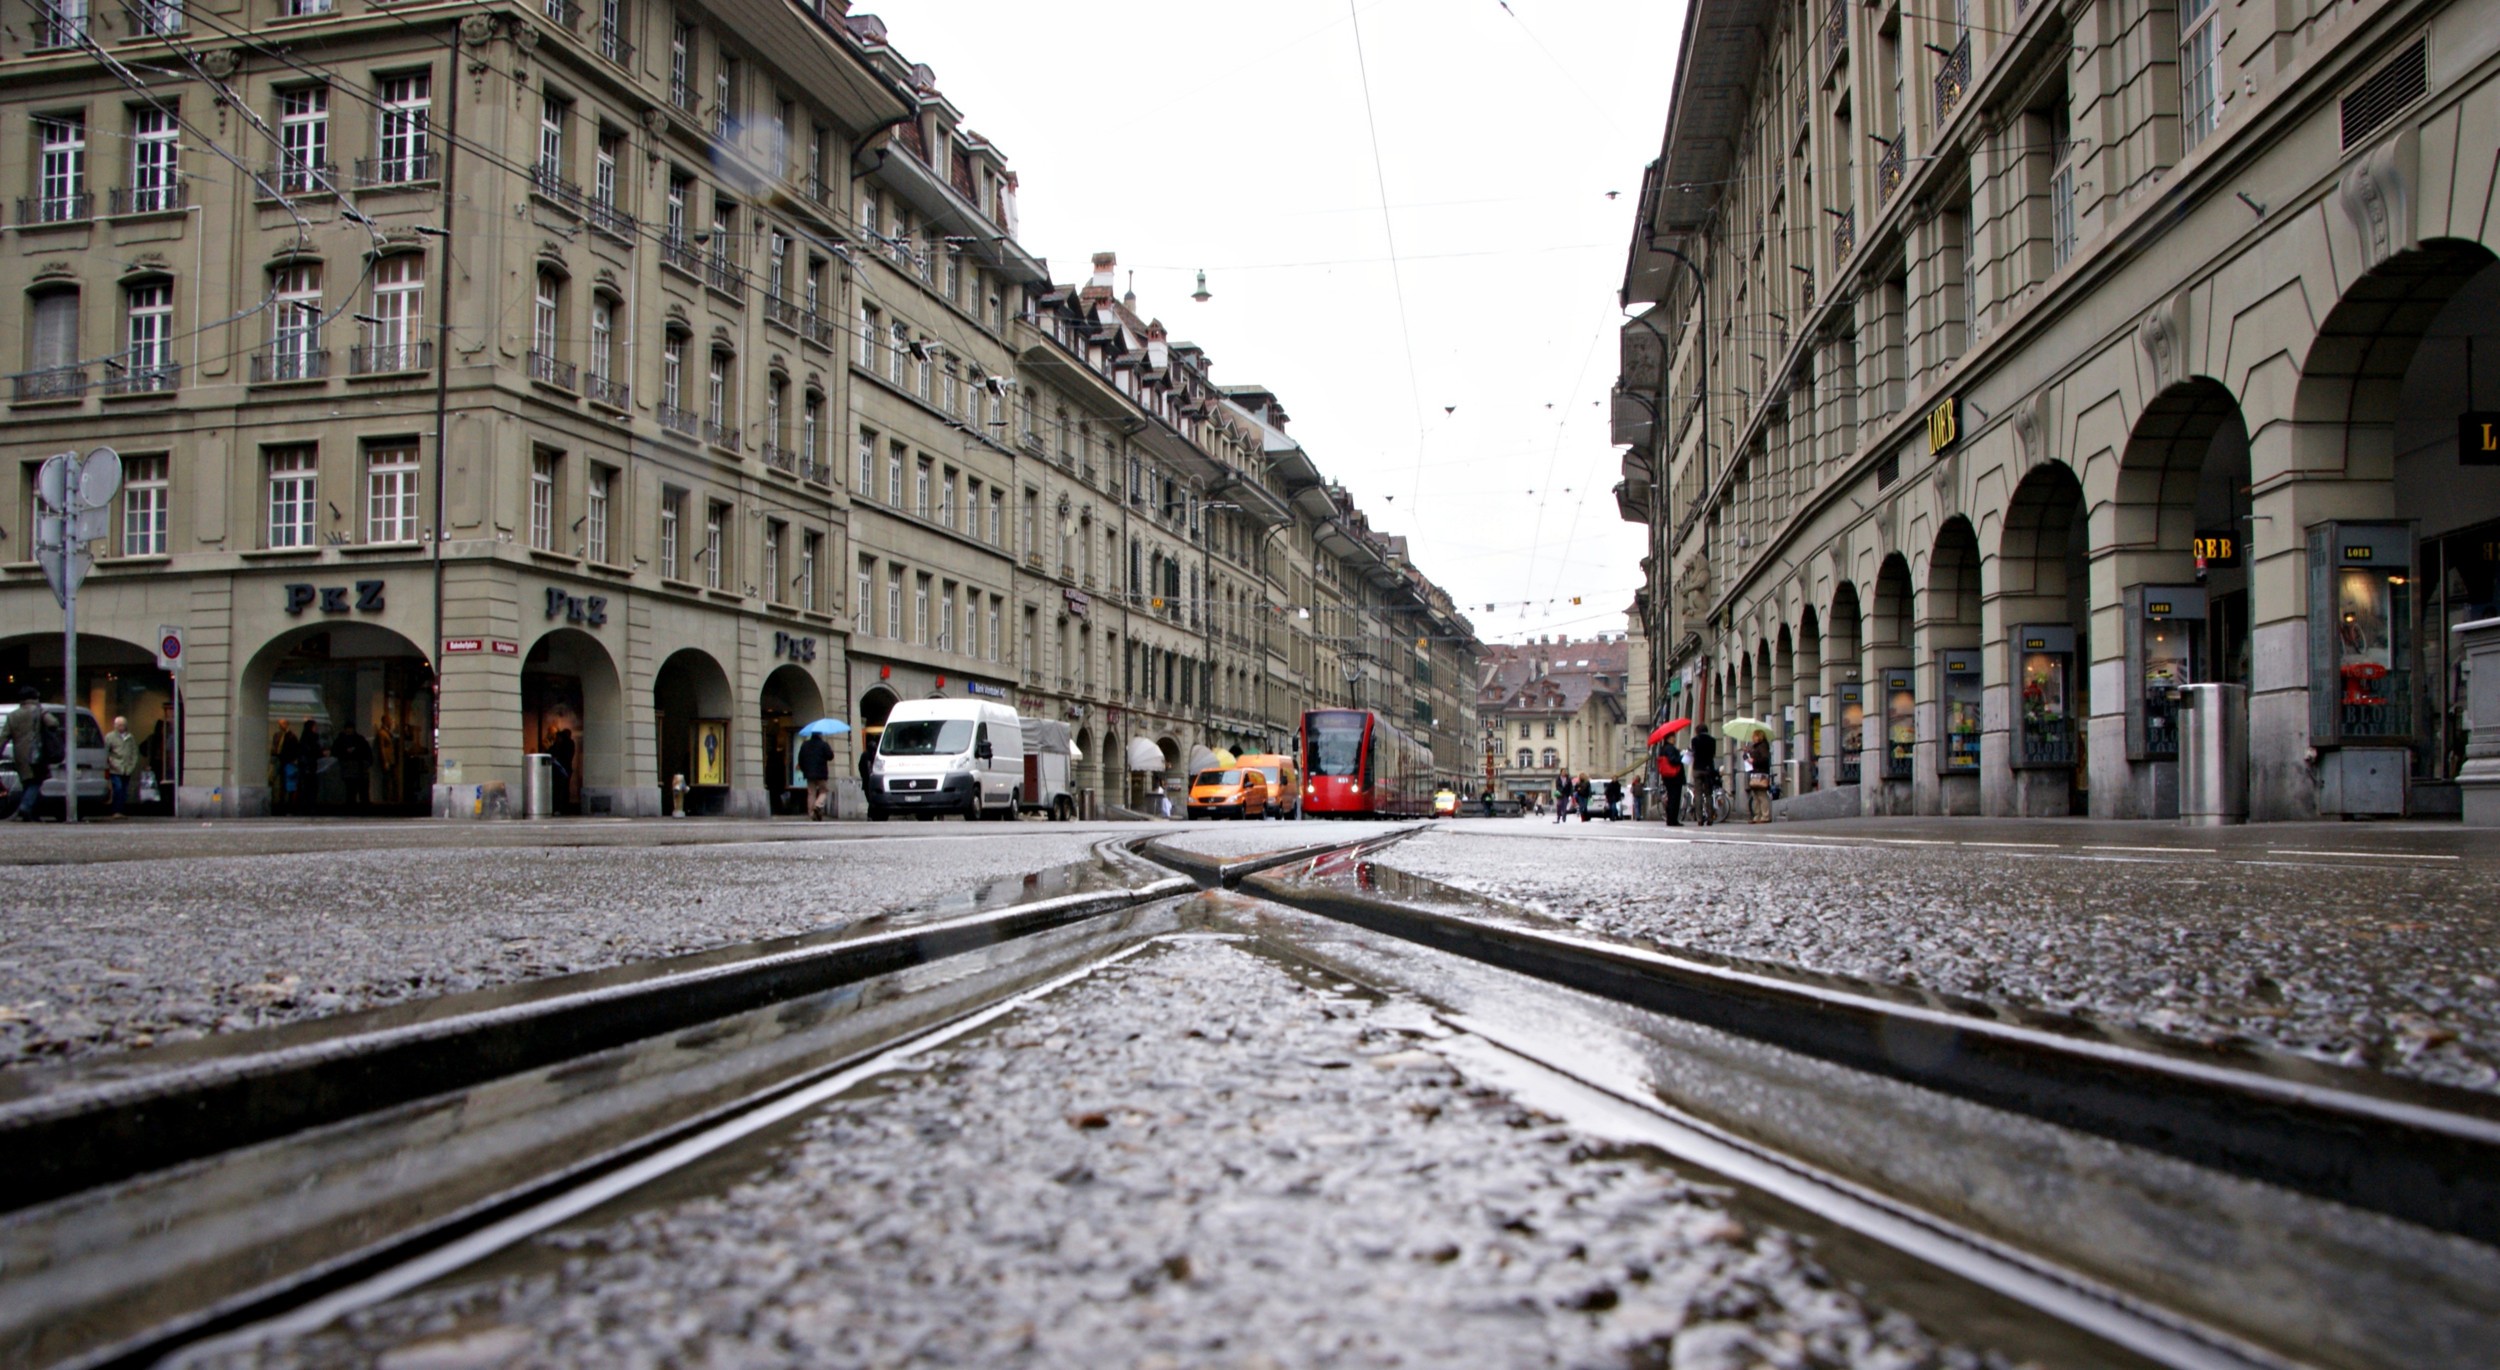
[1960, 690]
[1900, 722]
[2044, 672]
[2361, 668]
[1852, 696]
[2165, 655]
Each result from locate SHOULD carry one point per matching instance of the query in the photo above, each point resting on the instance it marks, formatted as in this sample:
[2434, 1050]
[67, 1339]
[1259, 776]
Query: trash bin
[538, 785]
[2213, 755]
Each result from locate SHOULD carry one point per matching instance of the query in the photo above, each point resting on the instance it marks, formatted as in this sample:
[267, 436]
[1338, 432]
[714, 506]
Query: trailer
[1049, 760]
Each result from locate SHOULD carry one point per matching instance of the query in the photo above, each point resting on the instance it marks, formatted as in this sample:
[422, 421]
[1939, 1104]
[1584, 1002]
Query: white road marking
[2371, 855]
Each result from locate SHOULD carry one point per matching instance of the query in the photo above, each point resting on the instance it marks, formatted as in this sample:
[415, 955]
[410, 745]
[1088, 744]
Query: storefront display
[2165, 654]
[1900, 723]
[1959, 692]
[2045, 716]
[1852, 696]
[2361, 633]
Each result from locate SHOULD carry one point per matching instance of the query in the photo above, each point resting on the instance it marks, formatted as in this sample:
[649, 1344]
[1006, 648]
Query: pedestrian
[121, 764]
[355, 758]
[1758, 778]
[1671, 784]
[25, 738]
[1488, 801]
[1580, 795]
[1562, 795]
[816, 767]
[1705, 772]
[1614, 798]
[313, 752]
[289, 751]
[560, 750]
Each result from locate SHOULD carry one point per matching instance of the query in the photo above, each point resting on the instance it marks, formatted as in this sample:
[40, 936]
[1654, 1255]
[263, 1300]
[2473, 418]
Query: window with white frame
[598, 494]
[672, 375]
[774, 532]
[61, 168]
[946, 499]
[863, 598]
[553, 111]
[2200, 51]
[301, 9]
[294, 477]
[397, 325]
[998, 516]
[672, 525]
[715, 545]
[303, 140]
[155, 18]
[777, 411]
[811, 550]
[545, 314]
[295, 322]
[946, 617]
[602, 338]
[901, 337]
[144, 506]
[894, 461]
[543, 500]
[725, 97]
[673, 224]
[811, 433]
[681, 66]
[894, 601]
[155, 160]
[867, 483]
[920, 609]
[612, 44]
[391, 492]
[777, 266]
[611, 149]
[922, 479]
[60, 23]
[148, 358]
[871, 333]
[716, 393]
[996, 604]
[404, 123]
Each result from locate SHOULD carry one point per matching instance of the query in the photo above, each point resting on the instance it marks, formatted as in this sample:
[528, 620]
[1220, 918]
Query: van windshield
[1219, 777]
[926, 737]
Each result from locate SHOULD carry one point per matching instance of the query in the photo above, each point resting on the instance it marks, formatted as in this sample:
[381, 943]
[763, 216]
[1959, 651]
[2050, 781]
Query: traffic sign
[100, 477]
[52, 481]
[66, 573]
[168, 647]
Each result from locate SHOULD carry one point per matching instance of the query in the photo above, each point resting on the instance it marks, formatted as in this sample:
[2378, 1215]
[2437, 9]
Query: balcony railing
[780, 458]
[1888, 169]
[552, 370]
[154, 18]
[163, 199]
[382, 359]
[1952, 80]
[1844, 235]
[723, 275]
[599, 389]
[612, 45]
[1836, 33]
[51, 383]
[280, 365]
[682, 422]
[721, 435]
[817, 472]
[291, 177]
[677, 252]
[816, 328]
[780, 310]
[545, 183]
[608, 219]
[682, 95]
[158, 378]
[54, 209]
[406, 169]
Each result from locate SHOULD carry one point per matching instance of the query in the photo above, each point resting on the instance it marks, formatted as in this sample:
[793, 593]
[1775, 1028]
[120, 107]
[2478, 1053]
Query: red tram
[1357, 764]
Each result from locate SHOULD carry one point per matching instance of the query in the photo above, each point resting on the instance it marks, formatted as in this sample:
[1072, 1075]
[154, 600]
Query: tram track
[170, 1246]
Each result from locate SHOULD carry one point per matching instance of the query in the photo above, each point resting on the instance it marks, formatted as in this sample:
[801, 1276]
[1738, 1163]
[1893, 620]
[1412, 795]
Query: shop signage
[987, 691]
[2035, 644]
[2362, 553]
[333, 598]
[590, 610]
[2478, 437]
[1078, 602]
[462, 646]
[1943, 426]
[2215, 551]
[1031, 706]
[789, 648]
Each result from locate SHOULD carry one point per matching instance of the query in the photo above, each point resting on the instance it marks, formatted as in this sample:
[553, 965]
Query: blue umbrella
[828, 727]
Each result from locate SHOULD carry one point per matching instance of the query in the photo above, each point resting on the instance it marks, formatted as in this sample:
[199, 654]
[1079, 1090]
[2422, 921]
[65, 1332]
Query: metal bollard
[2213, 755]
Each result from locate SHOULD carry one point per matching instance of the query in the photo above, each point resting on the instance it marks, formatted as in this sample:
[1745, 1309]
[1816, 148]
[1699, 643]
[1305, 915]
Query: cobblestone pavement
[163, 947]
[2371, 949]
[1199, 1157]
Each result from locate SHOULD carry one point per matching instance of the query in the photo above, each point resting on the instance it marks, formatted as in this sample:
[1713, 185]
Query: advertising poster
[711, 751]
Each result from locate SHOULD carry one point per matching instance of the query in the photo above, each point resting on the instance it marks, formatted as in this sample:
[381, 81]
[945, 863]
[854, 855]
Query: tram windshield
[1336, 743]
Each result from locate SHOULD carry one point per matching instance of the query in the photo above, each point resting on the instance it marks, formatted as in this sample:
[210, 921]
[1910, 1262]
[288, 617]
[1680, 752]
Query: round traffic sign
[171, 647]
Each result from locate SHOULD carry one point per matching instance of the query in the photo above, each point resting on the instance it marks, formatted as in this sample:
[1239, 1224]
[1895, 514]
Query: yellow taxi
[1229, 792]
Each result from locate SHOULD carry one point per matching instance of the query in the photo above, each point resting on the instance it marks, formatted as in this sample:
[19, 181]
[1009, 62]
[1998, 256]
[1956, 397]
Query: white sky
[1231, 137]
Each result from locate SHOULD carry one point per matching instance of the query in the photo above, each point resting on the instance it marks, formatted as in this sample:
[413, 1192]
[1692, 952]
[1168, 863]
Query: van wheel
[1015, 807]
[1063, 811]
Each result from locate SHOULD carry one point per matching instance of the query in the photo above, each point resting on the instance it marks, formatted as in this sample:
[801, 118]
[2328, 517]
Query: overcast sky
[1461, 393]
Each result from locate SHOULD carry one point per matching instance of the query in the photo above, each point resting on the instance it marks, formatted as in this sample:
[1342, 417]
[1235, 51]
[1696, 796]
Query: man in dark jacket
[1580, 796]
[1671, 784]
[355, 758]
[25, 739]
[816, 765]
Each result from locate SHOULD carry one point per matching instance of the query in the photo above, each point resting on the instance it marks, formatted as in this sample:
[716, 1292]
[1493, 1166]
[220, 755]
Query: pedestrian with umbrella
[815, 762]
[1670, 769]
[1755, 736]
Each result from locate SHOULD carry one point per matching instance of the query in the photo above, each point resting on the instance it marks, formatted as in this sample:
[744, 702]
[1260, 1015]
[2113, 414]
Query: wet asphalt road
[1199, 1156]
[2376, 950]
[155, 938]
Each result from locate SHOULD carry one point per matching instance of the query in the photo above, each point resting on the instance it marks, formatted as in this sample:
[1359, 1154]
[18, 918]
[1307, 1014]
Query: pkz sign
[787, 647]
[333, 598]
[588, 610]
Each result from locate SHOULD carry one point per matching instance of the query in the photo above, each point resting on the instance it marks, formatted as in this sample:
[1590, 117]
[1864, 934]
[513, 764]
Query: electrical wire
[1397, 273]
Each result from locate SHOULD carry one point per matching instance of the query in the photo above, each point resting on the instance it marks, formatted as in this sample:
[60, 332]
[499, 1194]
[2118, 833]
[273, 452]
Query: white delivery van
[1048, 752]
[95, 794]
[938, 756]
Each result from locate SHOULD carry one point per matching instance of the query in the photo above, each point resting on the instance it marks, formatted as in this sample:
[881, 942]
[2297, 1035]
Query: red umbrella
[1668, 729]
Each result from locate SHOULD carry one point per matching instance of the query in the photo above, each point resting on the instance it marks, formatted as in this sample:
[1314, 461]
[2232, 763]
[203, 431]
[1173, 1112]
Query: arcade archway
[338, 678]
[573, 709]
[789, 701]
[694, 729]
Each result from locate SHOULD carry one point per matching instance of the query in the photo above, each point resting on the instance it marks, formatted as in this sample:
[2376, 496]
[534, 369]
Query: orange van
[1229, 792]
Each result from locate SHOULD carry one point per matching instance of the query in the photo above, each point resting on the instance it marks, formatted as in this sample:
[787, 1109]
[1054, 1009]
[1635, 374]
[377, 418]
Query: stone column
[2479, 643]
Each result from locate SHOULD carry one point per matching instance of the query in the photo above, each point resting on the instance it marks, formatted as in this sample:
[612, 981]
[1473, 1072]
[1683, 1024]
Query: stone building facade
[624, 381]
[1559, 706]
[1999, 371]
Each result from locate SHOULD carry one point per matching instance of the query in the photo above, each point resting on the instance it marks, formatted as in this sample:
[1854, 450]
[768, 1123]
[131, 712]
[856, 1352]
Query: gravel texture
[129, 953]
[2393, 965]
[1198, 1158]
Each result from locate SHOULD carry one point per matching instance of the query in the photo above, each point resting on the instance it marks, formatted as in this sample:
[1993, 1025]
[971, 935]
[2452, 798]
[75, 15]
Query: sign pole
[69, 647]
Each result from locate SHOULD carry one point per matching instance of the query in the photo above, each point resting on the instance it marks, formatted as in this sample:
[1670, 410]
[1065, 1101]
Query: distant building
[1555, 706]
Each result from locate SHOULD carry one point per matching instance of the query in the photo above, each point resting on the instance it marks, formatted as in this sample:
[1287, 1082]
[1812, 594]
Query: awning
[1144, 755]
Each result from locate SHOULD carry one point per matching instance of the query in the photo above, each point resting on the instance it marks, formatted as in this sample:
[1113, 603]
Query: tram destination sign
[2478, 437]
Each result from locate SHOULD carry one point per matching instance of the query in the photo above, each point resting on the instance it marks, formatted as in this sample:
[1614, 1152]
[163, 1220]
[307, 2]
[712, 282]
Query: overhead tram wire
[1397, 274]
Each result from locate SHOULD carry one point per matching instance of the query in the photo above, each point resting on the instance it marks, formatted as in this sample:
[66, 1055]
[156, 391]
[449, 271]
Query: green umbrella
[1743, 729]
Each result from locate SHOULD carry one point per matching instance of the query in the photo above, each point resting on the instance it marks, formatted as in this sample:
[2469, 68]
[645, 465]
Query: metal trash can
[2213, 755]
[538, 785]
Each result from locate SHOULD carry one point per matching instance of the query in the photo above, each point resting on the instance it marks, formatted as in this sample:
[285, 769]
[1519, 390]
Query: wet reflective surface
[1202, 1155]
